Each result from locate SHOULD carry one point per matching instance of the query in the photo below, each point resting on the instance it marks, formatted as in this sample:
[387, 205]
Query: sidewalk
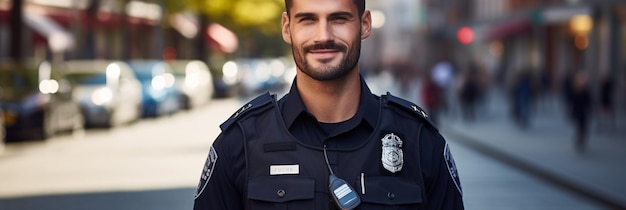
[545, 149]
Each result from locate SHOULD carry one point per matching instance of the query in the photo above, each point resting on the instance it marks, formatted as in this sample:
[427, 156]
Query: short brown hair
[360, 4]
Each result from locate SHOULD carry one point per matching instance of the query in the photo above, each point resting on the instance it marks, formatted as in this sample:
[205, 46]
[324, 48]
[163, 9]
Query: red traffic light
[465, 35]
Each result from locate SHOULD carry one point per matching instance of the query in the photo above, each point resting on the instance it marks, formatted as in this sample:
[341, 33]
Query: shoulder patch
[454, 174]
[409, 107]
[207, 171]
[255, 103]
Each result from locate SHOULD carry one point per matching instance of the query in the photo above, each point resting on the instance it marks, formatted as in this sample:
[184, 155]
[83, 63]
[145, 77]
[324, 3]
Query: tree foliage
[256, 22]
[239, 15]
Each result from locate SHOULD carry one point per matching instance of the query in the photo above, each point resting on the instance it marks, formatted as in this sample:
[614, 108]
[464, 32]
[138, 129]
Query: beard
[327, 71]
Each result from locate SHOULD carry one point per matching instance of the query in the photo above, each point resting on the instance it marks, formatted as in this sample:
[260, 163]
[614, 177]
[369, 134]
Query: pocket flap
[391, 191]
[281, 188]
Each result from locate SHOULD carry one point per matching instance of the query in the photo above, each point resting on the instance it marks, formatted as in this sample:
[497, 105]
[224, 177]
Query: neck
[331, 101]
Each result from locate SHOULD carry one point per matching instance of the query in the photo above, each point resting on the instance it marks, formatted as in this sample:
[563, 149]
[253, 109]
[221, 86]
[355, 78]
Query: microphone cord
[327, 163]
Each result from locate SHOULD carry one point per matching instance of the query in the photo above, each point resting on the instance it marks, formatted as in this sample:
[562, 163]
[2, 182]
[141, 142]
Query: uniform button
[391, 196]
[280, 193]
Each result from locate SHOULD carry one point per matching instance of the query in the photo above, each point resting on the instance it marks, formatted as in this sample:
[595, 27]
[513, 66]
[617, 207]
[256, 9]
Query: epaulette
[256, 103]
[410, 107]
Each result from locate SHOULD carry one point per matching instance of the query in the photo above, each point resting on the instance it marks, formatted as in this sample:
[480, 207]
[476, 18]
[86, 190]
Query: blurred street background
[113, 104]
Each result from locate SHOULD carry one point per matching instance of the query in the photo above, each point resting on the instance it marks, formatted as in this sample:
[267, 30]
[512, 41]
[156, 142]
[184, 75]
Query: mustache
[326, 46]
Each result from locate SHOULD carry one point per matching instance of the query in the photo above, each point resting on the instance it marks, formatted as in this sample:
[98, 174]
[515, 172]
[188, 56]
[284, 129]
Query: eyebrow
[334, 14]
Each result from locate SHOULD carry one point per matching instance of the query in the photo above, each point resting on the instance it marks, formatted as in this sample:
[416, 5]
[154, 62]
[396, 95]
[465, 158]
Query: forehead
[323, 6]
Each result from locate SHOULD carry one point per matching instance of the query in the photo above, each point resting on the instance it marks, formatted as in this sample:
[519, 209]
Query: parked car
[108, 92]
[160, 96]
[226, 78]
[36, 101]
[262, 74]
[193, 81]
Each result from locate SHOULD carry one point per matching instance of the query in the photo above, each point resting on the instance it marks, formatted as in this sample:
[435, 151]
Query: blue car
[159, 93]
[263, 74]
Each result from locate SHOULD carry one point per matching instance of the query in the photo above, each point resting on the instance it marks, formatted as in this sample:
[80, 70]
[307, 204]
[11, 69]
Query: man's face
[325, 36]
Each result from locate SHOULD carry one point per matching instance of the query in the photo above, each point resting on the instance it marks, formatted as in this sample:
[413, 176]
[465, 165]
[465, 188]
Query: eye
[340, 19]
[306, 19]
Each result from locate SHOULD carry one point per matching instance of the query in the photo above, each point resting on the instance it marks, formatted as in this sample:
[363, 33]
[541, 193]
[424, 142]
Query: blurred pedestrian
[443, 74]
[567, 91]
[432, 97]
[607, 116]
[580, 108]
[329, 143]
[523, 91]
[469, 92]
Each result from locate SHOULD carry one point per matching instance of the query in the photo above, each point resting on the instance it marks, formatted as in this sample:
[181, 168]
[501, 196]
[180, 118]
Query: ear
[366, 25]
[286, 31]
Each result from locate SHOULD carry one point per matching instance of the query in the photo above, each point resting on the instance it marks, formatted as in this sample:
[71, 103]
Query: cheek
[346, 34]
[299, 34]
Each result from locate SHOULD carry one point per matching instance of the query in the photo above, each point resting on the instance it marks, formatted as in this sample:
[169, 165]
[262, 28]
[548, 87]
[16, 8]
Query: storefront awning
[185, 23]
[540, 17]
[224, 39]
[564, 14]
[508, 28]
[58, 38]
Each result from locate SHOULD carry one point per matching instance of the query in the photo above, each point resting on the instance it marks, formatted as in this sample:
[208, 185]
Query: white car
[193, 81]
[108, 92]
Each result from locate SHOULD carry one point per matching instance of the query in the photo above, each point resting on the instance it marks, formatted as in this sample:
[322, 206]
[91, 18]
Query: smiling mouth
[324, 54]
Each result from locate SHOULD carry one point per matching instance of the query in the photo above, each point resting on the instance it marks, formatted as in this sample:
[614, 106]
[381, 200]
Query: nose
[324, 32]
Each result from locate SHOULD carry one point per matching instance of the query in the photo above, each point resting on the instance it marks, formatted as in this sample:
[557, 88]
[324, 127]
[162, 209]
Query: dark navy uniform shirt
[226, 183]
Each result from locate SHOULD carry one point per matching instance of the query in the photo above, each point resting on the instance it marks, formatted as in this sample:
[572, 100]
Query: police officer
[329, 143]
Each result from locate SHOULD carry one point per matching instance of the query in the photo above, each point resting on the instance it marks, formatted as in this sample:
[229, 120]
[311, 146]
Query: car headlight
[230, 72]
[169, 79]
[158, 83]
[102, 96]
[277, 68]
[48, 86]
[263, 72]
[192, 81]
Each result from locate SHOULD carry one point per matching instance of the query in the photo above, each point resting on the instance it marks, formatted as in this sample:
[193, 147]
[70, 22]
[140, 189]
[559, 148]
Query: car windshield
[14, 83]
[18, 79]
[143, 71]
[144, 75]
[178, 69]
[88, 78]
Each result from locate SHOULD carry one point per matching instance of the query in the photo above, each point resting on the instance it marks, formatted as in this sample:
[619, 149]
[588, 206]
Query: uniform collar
[293, 106]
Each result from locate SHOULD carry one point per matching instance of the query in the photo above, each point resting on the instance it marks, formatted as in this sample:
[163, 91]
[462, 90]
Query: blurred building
[105, 29]
[82, 29]
[552, 37]
[396, 43]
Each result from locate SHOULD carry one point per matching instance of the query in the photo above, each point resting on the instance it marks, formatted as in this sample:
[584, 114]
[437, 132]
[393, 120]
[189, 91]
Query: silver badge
[392, 156]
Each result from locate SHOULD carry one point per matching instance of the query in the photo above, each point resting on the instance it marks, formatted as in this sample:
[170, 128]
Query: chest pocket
[281, 192]
[390, 193]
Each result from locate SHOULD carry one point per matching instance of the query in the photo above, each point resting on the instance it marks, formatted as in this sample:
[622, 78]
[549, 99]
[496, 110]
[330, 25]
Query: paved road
[155, 164]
